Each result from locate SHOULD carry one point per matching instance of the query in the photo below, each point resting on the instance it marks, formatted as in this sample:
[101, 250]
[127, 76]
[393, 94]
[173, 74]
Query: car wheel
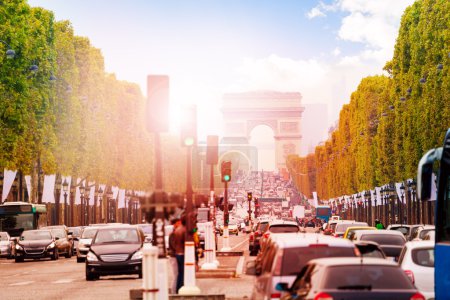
[140, 275]
[80, 259]
[90, 276]
[55, 255]
[18, 259]
[69, 253]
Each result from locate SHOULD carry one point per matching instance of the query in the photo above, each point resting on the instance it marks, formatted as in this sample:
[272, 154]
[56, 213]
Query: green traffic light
[226, 178]
[189, 141]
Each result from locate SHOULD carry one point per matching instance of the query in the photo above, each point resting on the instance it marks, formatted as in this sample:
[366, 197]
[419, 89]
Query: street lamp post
[368, 207]
[65, 187]
[392, 197]
[129, 196]
[402, 189]
[72, 204]
[100, 200]
[57, 196]
[109, 196]
[376, 207]
[82, 220]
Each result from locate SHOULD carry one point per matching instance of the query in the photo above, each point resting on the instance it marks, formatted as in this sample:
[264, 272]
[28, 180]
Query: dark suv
[36, 244]
[115, 250]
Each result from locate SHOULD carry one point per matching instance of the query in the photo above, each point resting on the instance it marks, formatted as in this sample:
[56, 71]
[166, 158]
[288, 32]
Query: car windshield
[370, 276]
[370, 251]
[294, 259]
[88, 233]
[283, 228]
[75, 231]
[116, 236]
[59, 233]
[36, 235]
[424, 232]
[146, 228]
[3, 236]
[384, 239]
[263, 227]
[404, 230]
[423, 257]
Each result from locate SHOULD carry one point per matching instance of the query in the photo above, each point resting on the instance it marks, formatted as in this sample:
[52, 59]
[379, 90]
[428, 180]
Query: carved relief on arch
[273, 124]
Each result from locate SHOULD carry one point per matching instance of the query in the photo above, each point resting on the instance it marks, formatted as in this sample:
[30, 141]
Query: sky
[321, 49]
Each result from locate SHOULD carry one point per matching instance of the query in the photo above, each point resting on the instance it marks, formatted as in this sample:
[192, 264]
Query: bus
[15, 217]
[323, 212]
[438, 160]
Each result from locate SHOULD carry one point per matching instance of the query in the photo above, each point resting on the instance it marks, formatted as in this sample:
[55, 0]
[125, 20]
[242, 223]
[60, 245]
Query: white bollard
[163, 279]
[209, 244]
[189, 287]
[226, 240]
[149, 269]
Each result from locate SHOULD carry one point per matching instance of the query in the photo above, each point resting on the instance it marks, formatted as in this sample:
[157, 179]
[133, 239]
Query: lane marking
[20, 283]
[63, 281]
[238, 245]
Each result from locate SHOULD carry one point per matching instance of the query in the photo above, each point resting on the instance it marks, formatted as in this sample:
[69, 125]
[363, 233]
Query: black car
[115, 251]
[36, 244]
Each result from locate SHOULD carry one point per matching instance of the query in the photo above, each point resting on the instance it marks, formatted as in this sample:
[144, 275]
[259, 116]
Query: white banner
[8, 179]
[48, 195]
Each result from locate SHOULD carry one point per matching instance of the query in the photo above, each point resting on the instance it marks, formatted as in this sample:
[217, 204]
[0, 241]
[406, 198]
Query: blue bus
[438, 160]
[15, 217]
[323, 212]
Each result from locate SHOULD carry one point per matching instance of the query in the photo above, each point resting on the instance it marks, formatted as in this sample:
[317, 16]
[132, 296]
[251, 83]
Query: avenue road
[65, 279]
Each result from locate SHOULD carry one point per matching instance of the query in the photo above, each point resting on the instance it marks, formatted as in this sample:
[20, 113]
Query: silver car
[84, 242]
[6, 245]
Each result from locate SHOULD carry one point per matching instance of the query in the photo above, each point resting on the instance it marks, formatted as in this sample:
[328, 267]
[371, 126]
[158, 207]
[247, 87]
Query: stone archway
[282, 112]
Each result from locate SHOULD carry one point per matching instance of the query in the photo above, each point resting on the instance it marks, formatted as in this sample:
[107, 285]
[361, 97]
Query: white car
[417, 260]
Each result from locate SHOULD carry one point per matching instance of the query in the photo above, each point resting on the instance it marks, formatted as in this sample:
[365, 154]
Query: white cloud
[315, 12]
[336, 51]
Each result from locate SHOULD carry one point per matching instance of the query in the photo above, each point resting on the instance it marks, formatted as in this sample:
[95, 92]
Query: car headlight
[137, 255]
[91, 257]
[18, 247]
[51, 246]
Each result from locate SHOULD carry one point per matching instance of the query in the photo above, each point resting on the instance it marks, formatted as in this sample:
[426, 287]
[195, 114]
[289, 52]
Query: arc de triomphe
[280, 111]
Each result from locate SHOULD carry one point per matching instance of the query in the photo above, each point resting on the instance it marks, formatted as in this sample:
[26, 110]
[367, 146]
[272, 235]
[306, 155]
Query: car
[341, 227]
[84, 242]
[390, 241]
[417, 260]
[115, 250]
[34, 244]
[258, 230]
[64, 242]
[409, 231]
[350, 232]
[148, 231]
[6, 245]
[370, 249]
[232, 229]
[280, 226]
[75, 232]
[422, 232]
[350, 278]
[284, 256]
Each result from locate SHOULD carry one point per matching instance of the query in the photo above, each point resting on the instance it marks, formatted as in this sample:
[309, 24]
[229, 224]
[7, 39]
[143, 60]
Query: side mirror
[250, 268]
[282, 286]
[56, 238]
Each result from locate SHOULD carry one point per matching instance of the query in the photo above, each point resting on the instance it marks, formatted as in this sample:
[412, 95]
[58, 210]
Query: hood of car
[113, 248]
[85, 241]
[38, 243]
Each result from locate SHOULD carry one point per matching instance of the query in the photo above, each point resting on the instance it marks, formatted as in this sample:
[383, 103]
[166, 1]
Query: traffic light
[189, 126]
[225, 170]
[249, 196]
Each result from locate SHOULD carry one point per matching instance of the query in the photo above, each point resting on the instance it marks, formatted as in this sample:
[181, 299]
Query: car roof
[379, 232]
[345, 261]
[283, 222]
[361, 228]
[293, 240]
[420, 244]
[404, 225]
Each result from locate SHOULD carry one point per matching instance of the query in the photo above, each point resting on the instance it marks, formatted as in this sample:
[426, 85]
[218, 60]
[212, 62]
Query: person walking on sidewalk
[176, 222]
[178, 239]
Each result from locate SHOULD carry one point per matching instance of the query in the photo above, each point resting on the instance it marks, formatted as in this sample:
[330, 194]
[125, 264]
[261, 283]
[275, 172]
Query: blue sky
[321, 49]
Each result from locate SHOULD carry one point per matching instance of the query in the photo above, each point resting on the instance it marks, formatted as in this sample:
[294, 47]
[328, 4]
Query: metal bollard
[149, 269]
[209, 248]
[189, 287]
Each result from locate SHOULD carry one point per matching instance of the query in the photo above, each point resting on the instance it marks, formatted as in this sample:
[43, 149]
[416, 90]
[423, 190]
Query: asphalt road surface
[65, 279]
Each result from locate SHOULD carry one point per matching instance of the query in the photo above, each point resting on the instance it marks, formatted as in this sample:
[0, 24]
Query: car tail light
[417, 296]
[410, 275]
[266, 235]
[251, 238]
[257, 233]
[323, 296]
[275, 296]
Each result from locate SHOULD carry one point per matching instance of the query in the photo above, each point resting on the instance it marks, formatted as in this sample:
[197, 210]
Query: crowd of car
[106, 249]
[343, 259]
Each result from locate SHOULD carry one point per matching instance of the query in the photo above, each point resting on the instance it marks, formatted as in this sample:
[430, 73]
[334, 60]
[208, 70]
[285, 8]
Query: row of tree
[60, 112]
[391, 121]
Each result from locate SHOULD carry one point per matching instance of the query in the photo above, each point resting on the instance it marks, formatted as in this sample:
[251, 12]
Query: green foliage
[392, 121]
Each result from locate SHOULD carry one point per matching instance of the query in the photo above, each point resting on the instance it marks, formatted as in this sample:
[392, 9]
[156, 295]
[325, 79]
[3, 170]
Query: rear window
[342, 227]
[424, 232]
[384, 239]
[423, 257]
[373, 276]
[283, 228]
[263, 227]
[294, 259]
[88, 233]
[404, 230]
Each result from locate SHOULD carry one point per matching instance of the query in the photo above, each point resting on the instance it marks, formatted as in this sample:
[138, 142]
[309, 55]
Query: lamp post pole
[72, 204]
[82, 221]
[57, 196]
[65, 187]
[109, 196]
[87, 207]
[402, 189]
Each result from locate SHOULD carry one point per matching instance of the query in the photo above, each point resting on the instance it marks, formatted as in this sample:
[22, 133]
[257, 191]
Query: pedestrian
[378, 224]
[178, 240]
[176, 222]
